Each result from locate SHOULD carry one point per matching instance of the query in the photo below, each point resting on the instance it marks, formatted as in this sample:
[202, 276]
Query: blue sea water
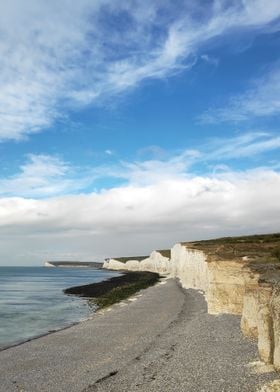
[32, 301]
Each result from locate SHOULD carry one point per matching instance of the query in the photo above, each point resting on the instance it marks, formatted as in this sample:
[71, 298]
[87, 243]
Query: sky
[128, 126]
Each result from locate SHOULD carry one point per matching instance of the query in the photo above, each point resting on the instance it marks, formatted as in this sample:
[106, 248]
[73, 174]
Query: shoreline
[115, 289]
[103, 285]
[36, 337]
[162, 340]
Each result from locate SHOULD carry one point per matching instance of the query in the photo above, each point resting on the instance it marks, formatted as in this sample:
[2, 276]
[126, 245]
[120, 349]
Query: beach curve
[164, 340]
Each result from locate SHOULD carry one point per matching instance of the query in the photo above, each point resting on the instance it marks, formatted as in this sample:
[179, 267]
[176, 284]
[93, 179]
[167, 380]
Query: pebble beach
[161, 339]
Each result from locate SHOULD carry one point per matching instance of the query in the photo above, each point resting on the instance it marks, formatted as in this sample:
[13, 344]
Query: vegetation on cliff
[127, 258]
[116, 289]
[260, 248]
[165, 253]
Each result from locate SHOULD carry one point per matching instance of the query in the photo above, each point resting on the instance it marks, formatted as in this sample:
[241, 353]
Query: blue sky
[136, 124]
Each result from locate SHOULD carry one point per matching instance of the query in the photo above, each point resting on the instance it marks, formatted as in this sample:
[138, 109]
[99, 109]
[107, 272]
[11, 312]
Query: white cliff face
[190, 266]
[249, 320]
[154, 263]
[222, 281]
[227, 282]
[275, 318]
[132, 265]
[230, 286]
[47, 264]
[113, 265]
[265, 324]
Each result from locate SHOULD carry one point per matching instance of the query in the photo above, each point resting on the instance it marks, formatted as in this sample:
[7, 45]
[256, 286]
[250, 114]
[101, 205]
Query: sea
[32, 302]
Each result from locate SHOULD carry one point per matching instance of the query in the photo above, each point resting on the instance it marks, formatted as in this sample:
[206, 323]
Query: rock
[249, 320]
[273, 386]
[265, 326]
[275, 311]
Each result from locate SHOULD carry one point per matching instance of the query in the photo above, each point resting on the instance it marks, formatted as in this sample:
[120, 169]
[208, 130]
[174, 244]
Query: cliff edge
[239, 275]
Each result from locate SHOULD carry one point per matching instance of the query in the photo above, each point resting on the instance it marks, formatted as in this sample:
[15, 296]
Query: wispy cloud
[42, 176]
[216, 152]
[246, 145]
[261, 100]
[210, 59]
[56, 55]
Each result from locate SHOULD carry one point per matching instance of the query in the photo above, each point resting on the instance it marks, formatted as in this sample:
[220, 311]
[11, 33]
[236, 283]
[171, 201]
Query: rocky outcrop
[233, 281]
[261, 313]
[249, 320]
[275, 316]
[226, 287]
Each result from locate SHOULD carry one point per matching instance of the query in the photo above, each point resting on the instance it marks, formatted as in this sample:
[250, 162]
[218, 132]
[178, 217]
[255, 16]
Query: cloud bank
[134, 219]
[44, 211]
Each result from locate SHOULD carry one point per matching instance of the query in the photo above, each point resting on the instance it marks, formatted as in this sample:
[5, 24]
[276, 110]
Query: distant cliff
[239, 275]
[73, 264]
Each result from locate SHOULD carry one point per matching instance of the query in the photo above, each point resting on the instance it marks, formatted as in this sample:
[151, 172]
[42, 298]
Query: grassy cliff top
[125, 259]
[89, 264]
[258, 248]
[165, 252]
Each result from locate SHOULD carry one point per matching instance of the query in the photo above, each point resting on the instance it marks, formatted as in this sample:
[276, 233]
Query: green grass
[122, 292]
[260, 248]
[257, 238]
[165, 253]
[276, 253]
[125, 259]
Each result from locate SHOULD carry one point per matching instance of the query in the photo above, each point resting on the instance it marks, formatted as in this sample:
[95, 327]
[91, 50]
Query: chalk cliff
[238, 276]
[73, 264]
[48, 264]
[156, 262]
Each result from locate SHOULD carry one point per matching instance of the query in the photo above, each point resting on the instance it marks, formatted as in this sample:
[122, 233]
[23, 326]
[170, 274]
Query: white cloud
[246, 145]
[261, 100]
[54, 55]
[215, 151]
[135, 219]
[152, 171]
[210, 59]
[160, 201]
[41, 176]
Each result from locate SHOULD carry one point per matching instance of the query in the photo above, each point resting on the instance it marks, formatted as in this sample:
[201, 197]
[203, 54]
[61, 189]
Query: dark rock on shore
[110, 291]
